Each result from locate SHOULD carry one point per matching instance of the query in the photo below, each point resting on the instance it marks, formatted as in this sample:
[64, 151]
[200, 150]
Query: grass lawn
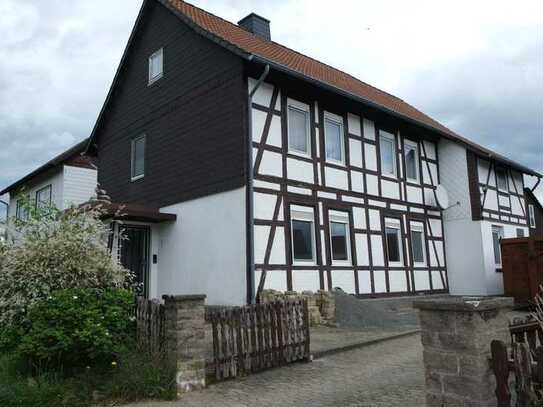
[136, 376]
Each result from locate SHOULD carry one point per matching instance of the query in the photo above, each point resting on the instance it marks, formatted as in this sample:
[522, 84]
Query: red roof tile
[249, 43]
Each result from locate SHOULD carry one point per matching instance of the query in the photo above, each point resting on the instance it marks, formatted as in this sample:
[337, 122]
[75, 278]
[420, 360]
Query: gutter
[250, 179]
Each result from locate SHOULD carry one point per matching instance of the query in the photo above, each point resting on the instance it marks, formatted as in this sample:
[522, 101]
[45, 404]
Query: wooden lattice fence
[519, 370]
[256, 337]
[150, 325]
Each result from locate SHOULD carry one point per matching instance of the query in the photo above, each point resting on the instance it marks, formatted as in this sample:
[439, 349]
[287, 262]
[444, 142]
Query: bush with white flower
[52, 250]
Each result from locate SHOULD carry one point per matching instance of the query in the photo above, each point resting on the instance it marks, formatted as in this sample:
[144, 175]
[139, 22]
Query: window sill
[342, 263]
[304, 263]
[134, 179]
[299, 153]
[391, 177]
[154, 80]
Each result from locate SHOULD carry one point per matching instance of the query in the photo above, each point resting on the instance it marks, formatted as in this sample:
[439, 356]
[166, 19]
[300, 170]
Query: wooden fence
[150, 325]
[522, 266]
[256, 337]
[519, 370]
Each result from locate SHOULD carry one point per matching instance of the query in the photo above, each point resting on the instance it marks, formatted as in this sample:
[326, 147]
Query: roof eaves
[468, 144]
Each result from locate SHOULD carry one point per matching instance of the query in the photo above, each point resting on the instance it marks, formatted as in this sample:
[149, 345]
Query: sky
[477, 67]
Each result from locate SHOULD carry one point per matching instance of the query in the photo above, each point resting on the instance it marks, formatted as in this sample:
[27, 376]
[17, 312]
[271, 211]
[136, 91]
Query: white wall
[57, 184]
[204, 251]
[494, 279]
[79, 185]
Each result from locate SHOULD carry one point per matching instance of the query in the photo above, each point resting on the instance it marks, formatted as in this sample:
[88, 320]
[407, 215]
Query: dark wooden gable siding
[194, 118]
[474, 191]
[538, 211]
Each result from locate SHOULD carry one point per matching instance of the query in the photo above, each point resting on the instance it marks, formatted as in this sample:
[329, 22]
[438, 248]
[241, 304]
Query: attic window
[156, 66]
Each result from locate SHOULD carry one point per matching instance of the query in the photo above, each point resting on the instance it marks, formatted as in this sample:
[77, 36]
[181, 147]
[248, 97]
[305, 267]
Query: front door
[135, 255]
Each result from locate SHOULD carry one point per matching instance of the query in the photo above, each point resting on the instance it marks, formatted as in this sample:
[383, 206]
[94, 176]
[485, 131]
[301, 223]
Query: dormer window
[156, 66]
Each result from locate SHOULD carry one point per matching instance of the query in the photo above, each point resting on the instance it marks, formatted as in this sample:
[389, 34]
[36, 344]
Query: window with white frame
[418, 243]
[156, 65]
[302, 221]
[501, 179]
[520, 232]
[333, 136]
[387, 147]
[298, 128]
[393, 237]
[44, 196]
[138, 158]
[411, 154]
[531, 215]
[339, 237]
[497, 236]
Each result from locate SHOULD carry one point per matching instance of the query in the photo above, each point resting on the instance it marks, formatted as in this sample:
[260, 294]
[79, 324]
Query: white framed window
[418, 244]
[531, 215]
[411, 156]
[387, 147]
[334, 138]
[302, 222]
[394, 246]
[299, 141]
[156, 66]
[497, 236]
[44, 196]
[137, 160]
[501, 179]
[340, 242]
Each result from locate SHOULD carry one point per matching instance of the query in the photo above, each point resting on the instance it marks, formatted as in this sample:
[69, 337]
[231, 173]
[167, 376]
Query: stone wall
[456, 335]
[322, 308]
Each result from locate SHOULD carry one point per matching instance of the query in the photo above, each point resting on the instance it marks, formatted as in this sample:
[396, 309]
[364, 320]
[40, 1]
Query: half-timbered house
[252, 164]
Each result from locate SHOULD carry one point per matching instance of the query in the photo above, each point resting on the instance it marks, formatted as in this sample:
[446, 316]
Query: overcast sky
[477, 67]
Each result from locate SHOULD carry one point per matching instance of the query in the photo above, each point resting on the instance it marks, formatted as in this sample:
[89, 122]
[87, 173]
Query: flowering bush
[77, 327]
[52, 250]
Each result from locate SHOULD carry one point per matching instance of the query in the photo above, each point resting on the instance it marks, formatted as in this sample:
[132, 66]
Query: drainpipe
[250, 217]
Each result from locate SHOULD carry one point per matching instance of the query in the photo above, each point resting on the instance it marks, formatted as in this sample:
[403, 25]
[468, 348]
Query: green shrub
[52, 250]
[75, 328]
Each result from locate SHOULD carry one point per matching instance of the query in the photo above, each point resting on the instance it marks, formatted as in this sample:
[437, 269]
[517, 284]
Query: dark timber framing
[322, 199]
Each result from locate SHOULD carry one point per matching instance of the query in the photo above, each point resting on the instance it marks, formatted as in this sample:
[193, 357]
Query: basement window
[137, 158]
[303, 234]
[339, 238]
[156, 66]
[393, 236]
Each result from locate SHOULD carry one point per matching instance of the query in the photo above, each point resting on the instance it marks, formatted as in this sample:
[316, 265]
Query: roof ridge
[256, 37]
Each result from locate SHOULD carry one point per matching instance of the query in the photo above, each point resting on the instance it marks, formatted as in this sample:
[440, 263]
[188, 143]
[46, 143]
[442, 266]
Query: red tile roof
[231, 35]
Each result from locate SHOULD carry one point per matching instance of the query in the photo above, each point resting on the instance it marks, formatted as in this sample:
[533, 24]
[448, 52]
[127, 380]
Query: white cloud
[475, 66]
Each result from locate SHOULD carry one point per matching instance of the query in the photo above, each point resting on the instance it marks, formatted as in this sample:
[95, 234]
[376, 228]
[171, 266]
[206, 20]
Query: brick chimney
[257, 25]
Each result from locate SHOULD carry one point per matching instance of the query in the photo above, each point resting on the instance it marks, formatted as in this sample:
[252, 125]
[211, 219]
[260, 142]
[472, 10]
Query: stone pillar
[456, 335]
[185, 334]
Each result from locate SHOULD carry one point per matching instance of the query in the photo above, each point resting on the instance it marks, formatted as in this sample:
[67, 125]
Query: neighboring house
[535, 213]
[308, 173]
[68, 179]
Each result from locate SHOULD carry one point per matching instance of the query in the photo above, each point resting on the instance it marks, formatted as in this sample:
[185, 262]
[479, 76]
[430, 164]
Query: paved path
[387, 374]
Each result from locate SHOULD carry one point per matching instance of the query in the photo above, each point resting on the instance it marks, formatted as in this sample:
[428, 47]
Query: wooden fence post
[456, 335]
[185, 334]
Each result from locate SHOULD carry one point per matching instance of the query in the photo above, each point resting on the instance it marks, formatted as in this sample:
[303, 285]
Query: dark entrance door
[135, 255]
